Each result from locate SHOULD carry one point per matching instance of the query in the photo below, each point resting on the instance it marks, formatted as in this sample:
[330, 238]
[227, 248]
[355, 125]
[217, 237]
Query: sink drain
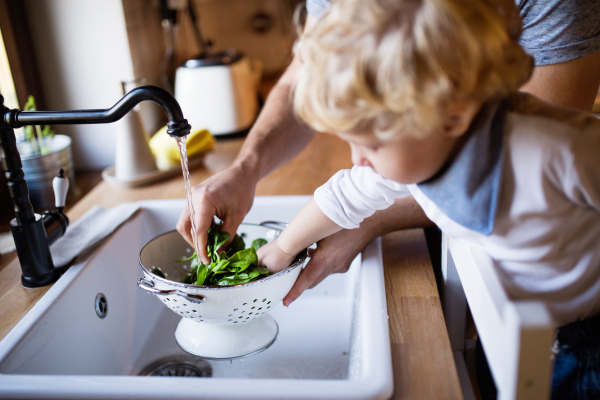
[181, 366]
[101, 305]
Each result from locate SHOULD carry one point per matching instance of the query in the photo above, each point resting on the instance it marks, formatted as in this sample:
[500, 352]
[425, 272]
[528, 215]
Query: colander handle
[275, 224]
[148, 286]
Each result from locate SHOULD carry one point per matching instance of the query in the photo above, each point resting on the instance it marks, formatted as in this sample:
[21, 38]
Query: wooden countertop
[423, 361]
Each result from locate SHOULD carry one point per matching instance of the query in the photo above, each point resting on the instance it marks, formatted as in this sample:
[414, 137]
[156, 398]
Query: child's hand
[272, 257]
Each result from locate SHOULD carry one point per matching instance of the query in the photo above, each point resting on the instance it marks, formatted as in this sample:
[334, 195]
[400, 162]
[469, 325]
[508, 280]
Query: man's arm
[276, 137]
[569, 84]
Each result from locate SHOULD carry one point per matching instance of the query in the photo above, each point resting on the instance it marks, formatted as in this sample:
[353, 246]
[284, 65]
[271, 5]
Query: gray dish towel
[85, 234]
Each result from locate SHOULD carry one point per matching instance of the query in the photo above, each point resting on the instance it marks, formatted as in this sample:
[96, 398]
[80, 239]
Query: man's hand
[228, 195]
[335, 253]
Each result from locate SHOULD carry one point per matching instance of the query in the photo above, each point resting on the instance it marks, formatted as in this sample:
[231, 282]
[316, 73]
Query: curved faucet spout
[176, 127]
[28, 228]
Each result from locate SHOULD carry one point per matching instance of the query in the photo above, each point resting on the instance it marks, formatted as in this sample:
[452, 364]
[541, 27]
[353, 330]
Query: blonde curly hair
[390, 66]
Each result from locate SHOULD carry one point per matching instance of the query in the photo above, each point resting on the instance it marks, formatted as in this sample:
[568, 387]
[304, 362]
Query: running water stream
[188, 191]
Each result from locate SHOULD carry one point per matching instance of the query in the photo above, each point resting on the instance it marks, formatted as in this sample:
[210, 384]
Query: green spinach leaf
[233, 266]
[258, 243]
[236, 245]
[202, 274]
[193, 256]
[157, 272]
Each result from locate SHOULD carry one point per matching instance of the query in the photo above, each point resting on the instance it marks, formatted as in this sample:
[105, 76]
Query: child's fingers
[270, 256]
[262, 255]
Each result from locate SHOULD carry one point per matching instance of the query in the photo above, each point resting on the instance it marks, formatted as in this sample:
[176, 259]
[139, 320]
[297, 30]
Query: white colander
[219, 321]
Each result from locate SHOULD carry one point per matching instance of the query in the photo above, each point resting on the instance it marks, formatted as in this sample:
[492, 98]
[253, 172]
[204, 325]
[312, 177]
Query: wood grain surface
[423, 362]
[422, 359]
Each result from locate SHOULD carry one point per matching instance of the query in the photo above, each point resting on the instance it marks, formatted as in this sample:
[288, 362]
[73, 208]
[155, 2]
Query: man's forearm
[277, 136]
[568, 84]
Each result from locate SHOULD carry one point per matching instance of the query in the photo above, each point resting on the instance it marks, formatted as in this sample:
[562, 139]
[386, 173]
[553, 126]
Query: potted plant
[37, 137]
[43, 154]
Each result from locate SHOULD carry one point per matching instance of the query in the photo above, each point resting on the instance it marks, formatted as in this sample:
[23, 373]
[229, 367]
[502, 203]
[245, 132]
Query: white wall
[82, 54]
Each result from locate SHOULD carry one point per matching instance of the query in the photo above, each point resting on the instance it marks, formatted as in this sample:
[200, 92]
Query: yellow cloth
[165, 148]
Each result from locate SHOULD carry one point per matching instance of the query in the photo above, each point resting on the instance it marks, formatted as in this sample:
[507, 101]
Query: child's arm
[343, 202]
[309, 226]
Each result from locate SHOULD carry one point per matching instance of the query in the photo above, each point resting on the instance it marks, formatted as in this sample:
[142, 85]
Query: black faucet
[28, 229]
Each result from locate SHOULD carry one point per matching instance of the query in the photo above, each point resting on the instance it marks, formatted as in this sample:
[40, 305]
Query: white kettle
[219, 92]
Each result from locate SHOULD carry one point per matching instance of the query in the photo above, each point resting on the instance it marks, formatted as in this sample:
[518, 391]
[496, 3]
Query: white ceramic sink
[333, 341]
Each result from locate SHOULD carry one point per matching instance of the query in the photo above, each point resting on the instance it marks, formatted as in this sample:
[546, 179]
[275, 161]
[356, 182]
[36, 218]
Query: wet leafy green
[233, 266]
[236, 245]
[157, 272]
[258, 243]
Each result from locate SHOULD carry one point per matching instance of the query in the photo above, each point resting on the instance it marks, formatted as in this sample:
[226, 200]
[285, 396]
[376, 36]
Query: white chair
[517, 336]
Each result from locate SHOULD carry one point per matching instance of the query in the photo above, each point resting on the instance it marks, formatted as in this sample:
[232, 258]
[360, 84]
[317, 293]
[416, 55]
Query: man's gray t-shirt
[554, 31]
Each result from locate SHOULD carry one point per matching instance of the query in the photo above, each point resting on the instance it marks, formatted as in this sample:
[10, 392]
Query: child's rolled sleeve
[352, 195]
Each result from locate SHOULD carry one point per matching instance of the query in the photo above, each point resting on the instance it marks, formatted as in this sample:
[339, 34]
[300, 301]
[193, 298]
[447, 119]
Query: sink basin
[333, 341]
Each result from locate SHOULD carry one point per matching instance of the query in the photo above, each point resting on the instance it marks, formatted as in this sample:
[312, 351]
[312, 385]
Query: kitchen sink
[96, 335]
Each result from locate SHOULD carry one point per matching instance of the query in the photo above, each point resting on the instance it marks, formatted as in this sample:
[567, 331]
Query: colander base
[219, 342]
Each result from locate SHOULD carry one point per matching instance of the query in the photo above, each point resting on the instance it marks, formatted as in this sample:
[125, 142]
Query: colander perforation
[247, 312]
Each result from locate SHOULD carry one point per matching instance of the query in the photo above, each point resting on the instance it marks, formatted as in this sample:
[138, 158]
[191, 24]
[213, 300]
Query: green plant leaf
[262, 270]
[189, 279]
[157, 272]
[33, 134]
[258, 243]
[30, 104]
[219, 266]
[187, 259]
[236, 245]
[220, 239]
[244, 259]
[194, 263]
[47, 131]
[234, 281]
[241, 267]
[216, 239]
[202, 274]
[253, 274]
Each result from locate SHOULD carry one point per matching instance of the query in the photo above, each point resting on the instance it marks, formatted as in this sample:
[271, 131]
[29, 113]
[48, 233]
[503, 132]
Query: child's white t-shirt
[545, 241]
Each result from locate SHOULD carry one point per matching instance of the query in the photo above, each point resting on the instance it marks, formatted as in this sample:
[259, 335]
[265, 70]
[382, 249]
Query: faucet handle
[60, 184]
